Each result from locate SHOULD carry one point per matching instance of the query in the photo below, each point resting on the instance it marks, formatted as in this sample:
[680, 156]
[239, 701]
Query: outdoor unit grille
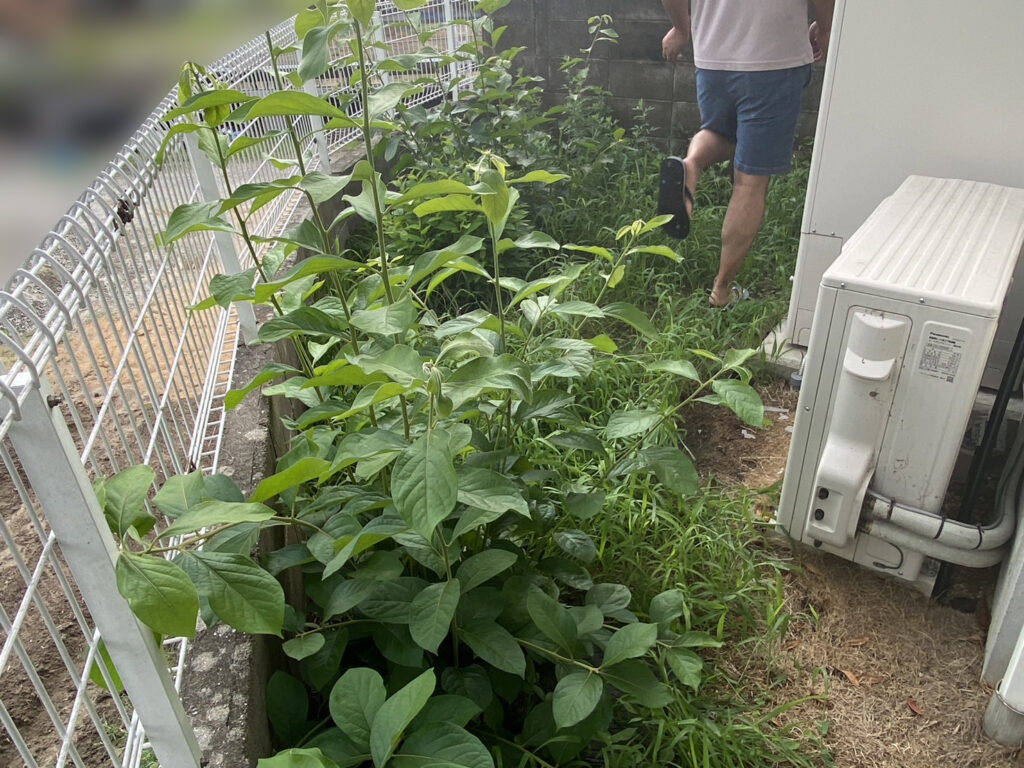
[903, 325]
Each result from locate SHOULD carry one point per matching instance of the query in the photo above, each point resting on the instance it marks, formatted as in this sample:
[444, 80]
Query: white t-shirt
[750, 35]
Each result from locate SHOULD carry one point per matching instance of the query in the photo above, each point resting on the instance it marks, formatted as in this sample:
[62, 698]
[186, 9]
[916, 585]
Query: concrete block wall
[631, 70]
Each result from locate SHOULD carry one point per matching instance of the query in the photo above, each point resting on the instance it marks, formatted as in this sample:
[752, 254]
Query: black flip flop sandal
[672, 197]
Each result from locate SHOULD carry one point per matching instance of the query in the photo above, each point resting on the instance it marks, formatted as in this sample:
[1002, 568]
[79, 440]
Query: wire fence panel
[102, 356]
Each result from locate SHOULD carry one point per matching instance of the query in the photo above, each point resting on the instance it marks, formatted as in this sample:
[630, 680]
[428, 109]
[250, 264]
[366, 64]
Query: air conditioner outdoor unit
[904, 321]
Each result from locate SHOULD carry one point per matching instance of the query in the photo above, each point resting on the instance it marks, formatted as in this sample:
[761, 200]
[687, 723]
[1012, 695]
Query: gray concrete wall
[631, 71]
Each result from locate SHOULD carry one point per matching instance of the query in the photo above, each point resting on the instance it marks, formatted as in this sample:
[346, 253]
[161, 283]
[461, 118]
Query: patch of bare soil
[900, 673]
[17, 691]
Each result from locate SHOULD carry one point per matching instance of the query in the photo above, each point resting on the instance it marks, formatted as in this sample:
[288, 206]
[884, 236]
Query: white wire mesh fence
[102, 366]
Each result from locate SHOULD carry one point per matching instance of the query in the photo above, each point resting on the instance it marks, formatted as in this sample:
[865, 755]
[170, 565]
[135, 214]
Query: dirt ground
[900, 671]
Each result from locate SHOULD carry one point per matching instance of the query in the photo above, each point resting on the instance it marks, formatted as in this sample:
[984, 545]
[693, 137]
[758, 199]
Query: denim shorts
[756, 111]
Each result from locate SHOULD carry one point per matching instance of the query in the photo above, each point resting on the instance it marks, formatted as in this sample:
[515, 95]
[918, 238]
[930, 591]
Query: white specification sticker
[941, 354]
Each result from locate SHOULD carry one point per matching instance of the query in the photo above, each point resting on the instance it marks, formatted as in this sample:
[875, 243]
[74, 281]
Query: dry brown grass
[900, 671]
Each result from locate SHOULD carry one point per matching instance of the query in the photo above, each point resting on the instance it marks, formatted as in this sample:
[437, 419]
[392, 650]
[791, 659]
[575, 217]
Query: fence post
[449, 26]
[56, 474]
[223, 241]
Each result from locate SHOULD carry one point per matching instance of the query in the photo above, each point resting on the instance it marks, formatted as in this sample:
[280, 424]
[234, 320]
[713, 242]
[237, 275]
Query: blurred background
[76, 79]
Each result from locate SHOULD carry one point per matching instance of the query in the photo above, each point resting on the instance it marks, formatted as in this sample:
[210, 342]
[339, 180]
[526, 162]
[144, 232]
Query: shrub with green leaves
[446, 468]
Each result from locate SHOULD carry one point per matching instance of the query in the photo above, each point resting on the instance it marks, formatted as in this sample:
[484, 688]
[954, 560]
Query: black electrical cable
[979, 460]
[995, 419]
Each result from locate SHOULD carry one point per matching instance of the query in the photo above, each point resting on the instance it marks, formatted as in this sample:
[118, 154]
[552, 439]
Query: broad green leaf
[552, 619]
[446, 708]
[566, 571]
[443, 745]
[308, 19]
[372, 394]
[577, 309]
[322, 667]
[686, 665]
[667, 606]
[575, 697]
[313, 265]
[362, 11]
[347, 595]
[243, 595]
[395, 714]
[505, 373]
[471, 681]
[180, 494]
[193, 217]
[302, 321]
[298, 473]
[211, 513]
[300, 648]
[384, 99]
[635, 678]
[584, 506]
[489, 490]
[315, 50]
[397, 646]
[297, 758]
[355, 700]
[433, 189]
[673, 468]
[576, 544]
[616, 275]
[124, 499]
[424, 485]
[629, 423]
[225, 289]
[431, 613]
[472, 518]
[603, 343]
[243, 143]
[324, 186]
[577, 440]
[632, 317]
[287, 706]
[683, 368]
[593, 250]
[610, 598]
[207, 100]
[446, 204]
[544, 177]
[159, 593]
[693, 640]
[656, 250]
[537, 240]
[495, 645]
[742, 399]
[499, 203]
[221, 488]
[628, 642]
[294, 103]
[388, 320]
[399, 363]
[96, 675]
[735, 358]
[376, 530]
[484, 566]
[588, 619]
[390, 601]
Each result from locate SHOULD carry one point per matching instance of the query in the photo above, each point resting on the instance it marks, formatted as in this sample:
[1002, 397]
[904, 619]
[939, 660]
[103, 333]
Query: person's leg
[768, 107]
[706, 148]
[739, 228]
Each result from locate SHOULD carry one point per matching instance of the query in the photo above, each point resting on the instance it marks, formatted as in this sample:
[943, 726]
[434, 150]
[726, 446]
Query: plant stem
[540, 761]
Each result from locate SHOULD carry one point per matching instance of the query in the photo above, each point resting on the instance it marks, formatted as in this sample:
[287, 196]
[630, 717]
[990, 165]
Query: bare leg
[706, 148]
[742, 221]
